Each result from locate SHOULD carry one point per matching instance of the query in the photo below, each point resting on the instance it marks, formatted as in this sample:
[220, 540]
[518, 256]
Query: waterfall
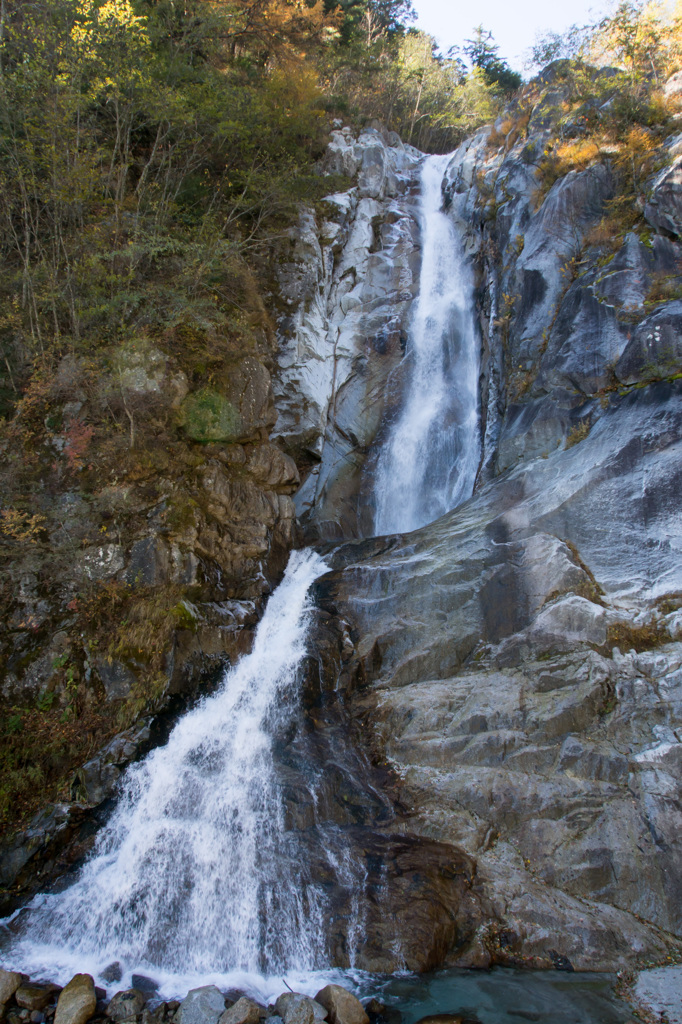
[428, 463]
[196, 874]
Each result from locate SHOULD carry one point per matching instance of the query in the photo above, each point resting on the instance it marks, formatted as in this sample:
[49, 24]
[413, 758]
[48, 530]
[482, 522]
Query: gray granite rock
[203, 1005]
[659, 992]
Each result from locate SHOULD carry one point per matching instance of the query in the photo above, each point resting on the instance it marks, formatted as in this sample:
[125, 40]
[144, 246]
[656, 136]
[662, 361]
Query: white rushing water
[195, 876]
[428, 463]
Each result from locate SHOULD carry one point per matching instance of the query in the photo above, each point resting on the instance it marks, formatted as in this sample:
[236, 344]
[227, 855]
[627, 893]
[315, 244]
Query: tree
[568, 45]
[483, 54]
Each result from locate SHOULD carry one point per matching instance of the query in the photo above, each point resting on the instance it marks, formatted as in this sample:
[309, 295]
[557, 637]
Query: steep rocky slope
[519, 659]
[161, 516]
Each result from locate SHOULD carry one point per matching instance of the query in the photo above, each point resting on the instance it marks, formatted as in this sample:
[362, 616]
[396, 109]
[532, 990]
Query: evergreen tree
[482, 51]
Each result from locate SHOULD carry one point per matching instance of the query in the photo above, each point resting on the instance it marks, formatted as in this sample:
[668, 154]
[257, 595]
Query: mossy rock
[207, 415]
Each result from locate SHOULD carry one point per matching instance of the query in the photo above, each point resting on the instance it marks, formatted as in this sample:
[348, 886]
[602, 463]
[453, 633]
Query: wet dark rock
[144, 984]
[112, 973]
[561, 963]
[127, 1004]
[35, 996]
[96, 780]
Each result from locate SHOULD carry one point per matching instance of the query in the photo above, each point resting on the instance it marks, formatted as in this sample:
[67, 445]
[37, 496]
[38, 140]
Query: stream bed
[505, 996]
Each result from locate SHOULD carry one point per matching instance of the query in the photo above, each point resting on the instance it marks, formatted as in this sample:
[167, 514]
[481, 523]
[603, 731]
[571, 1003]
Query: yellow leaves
[120, 13]
[99, 24]
[576, 156]
[21, 526]
[559, 160]
[642, 40]
[639, 141]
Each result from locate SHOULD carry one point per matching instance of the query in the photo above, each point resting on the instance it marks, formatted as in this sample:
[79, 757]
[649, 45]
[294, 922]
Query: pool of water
[504, 996]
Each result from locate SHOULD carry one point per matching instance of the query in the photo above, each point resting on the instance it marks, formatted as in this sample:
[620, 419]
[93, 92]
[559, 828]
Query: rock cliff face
[510, 676]
[519, 660]
[347, 284]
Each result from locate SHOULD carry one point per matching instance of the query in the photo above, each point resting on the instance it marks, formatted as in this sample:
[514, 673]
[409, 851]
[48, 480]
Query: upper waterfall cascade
[428, 462]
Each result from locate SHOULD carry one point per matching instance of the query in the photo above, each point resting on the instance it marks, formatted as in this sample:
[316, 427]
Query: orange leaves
[77, 437]
[278, 32]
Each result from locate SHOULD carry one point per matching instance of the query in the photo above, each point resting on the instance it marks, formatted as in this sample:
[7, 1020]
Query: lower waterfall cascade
[181, 881]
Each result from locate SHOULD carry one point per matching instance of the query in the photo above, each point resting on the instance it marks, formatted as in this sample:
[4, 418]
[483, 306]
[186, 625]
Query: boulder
[101, 561]
[9, 983]
[112, 973]
[34, 996]
[295, 1008]
[201, 1006]
[244, 1011]
[341, 1005]
[141, 368]
[77, 1002]
[144, 984]
[127, 1004]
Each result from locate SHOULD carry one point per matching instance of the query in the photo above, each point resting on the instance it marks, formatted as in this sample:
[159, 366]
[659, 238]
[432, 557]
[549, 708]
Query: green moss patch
[207, 415]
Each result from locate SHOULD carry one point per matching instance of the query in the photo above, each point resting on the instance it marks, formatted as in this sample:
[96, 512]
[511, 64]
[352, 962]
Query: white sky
[513, 23]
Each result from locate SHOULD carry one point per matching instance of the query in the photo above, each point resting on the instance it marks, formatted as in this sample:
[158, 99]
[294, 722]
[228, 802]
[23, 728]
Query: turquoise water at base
[506, 996]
